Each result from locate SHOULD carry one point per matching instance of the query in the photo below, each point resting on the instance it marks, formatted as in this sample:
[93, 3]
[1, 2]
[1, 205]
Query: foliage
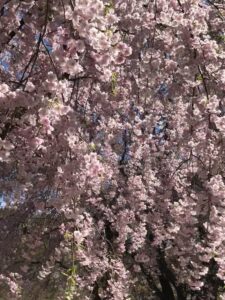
[112, 133]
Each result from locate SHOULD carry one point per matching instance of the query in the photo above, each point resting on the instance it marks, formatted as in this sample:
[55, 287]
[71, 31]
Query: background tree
[112, 123]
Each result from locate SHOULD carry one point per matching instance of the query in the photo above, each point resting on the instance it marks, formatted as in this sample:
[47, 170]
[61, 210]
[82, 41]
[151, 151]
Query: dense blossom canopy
[112, 149]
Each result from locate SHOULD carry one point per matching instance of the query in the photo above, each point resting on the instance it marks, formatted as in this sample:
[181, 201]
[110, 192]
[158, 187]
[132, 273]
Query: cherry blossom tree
[112, 135]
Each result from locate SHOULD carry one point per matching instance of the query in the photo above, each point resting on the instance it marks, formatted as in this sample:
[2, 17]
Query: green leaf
[199, 77]
[107, 8]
